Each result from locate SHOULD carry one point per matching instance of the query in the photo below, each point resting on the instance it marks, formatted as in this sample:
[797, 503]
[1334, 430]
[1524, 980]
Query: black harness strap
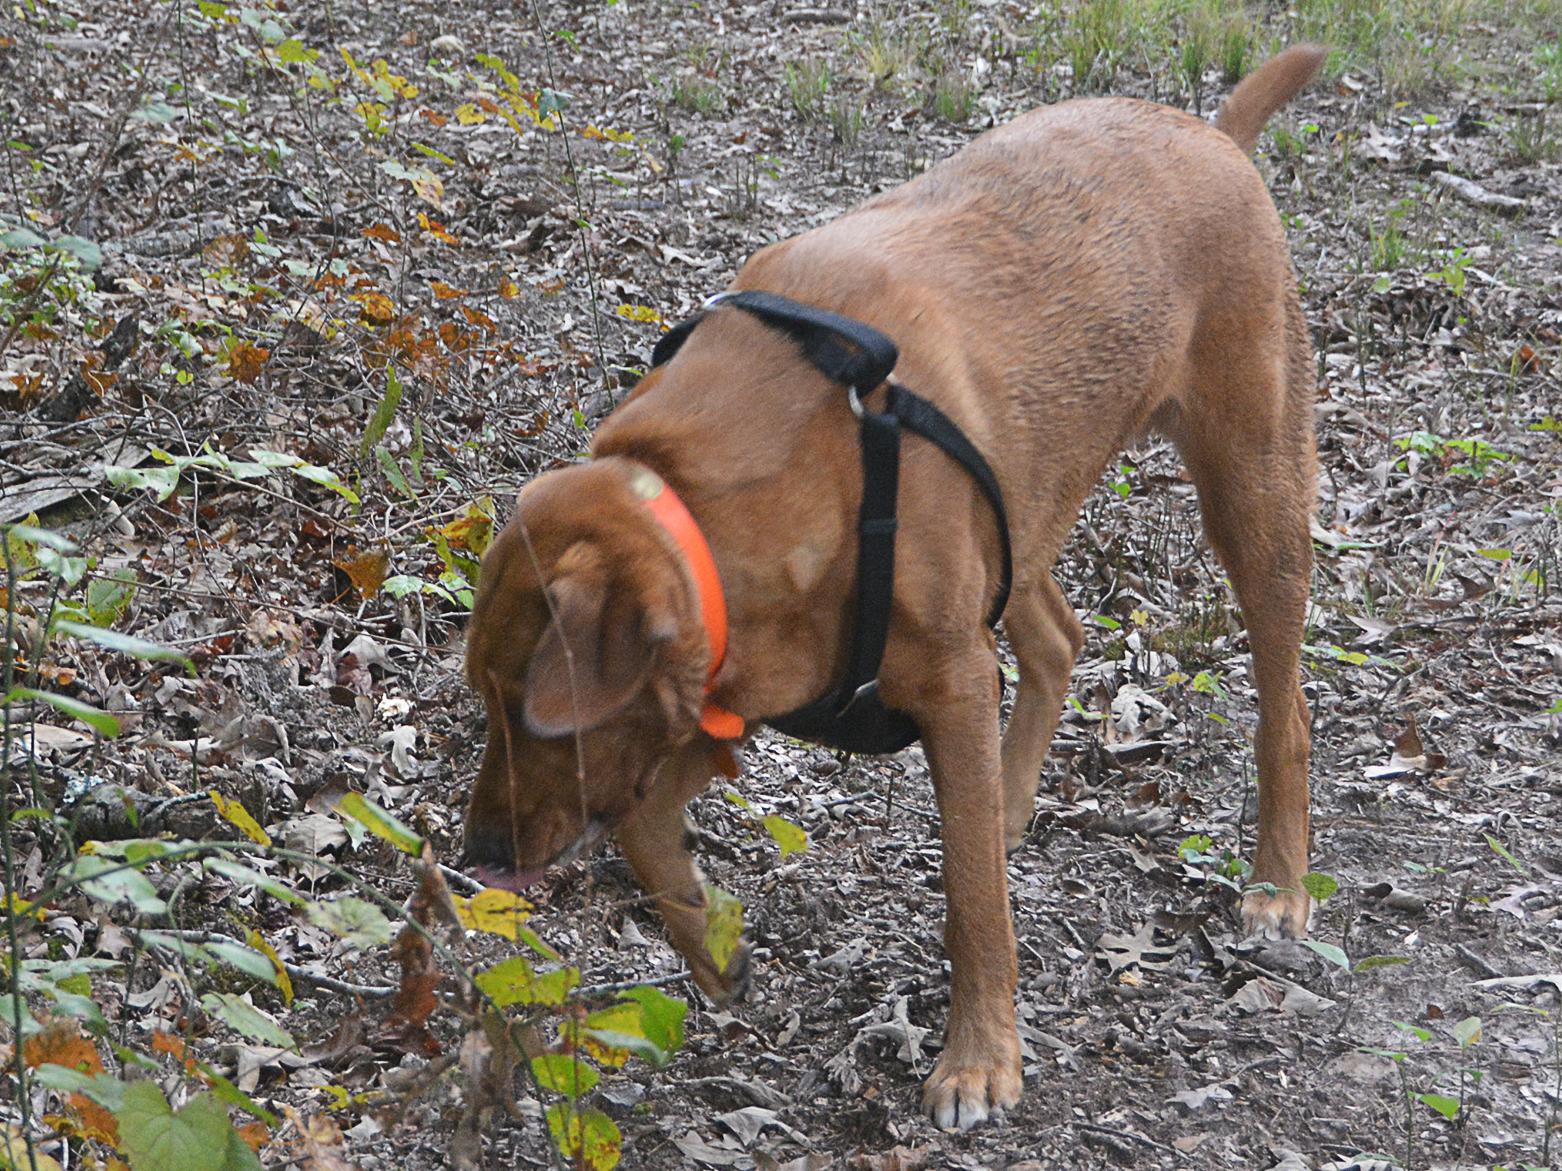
[861, 358]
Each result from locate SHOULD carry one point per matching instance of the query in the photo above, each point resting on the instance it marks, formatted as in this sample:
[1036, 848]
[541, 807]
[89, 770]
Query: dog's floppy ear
[594, 657]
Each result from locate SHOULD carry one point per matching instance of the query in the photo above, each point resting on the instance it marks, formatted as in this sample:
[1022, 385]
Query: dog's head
[587, 646]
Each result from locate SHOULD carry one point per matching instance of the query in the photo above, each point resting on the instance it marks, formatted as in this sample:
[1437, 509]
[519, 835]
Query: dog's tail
[1265, 90]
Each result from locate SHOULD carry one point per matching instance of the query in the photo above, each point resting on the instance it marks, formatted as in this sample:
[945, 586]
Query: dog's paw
[959, 1095]
[1281, 915]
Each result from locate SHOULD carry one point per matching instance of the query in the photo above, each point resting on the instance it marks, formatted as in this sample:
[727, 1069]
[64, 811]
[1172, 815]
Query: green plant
[954, 94]
[889, 54]
[845, 116]
[1466, 1034]
[1529, 138]
[1548, 61]
[58, 1028]
[1095, 41]
[1388, 243]
[1454, 272]
[1478, 457]
[807, 84]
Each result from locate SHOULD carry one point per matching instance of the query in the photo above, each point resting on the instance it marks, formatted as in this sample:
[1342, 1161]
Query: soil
[239, 208]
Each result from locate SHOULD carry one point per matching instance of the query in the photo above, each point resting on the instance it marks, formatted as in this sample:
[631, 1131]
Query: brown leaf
[1408, 743]
[246, 361]
[367, 571]
[61, 1043]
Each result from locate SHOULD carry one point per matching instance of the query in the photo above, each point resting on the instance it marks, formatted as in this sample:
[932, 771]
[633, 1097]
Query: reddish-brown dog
[1062, 284]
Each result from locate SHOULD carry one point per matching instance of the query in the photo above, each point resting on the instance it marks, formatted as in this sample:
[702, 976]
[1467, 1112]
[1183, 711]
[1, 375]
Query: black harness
[859, 357]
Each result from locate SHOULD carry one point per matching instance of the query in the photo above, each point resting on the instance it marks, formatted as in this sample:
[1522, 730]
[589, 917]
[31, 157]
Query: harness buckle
[867, 688]
[855, 402]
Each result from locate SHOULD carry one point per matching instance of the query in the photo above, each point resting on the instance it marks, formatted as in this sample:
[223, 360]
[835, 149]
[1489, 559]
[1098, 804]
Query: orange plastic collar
[673, 515]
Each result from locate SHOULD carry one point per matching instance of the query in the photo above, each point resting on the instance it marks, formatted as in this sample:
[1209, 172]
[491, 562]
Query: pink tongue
[511, 880]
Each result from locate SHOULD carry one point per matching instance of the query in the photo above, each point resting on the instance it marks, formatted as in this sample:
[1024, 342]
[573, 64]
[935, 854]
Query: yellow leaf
[638, 313]
[376, 307]
[236, 814]
[13, 1151]
[284, 981]
[470, 115]
[498, 912]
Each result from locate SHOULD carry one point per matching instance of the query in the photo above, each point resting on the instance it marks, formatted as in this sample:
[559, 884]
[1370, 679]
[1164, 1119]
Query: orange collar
[673, 515]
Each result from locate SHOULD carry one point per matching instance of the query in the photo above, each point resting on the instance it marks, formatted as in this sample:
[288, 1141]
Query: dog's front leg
[655, 843]
[979, 1070]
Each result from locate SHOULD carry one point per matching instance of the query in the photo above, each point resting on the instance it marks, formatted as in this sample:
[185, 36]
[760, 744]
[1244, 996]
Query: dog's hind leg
[1046, 637]
[1246, 433]
[654, 841]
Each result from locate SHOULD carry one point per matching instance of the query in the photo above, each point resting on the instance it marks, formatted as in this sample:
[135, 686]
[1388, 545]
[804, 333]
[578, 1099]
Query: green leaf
[515, 981]
[1329, 952]
[136, 648]
[244, 876]
[402, 584]
[1320, 886]
[1371, 962]
[1394, 1055]
[588, 1138]
[791, 838]
[293, 52]
[110, 881]
[1415, 1031]
[534, 941]
[553, 987]
[393, 473]
[1194, 846]
[225, 1091]
[90, 255]
[326, 478]
[69, 570]
[380, 823]
[154, 109]
[163, 481]
[1446, 1106]
[59, 542]
[245, 959]
[99, 721]
[247, 1019]
[1502, 852]
[19, 238]
[109, 597]
[383, 414]
[352, 920]
[723, 925]
[198, 1137]
[1468, 1031]
[104, 1089]
[564, 1074]
[661, 1016]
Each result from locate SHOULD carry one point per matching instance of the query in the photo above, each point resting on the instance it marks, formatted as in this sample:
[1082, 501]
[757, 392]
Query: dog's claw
[1282, 915]
[959, 1098]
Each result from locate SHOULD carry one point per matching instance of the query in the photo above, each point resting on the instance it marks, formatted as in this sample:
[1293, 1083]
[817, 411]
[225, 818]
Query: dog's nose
[487, 846]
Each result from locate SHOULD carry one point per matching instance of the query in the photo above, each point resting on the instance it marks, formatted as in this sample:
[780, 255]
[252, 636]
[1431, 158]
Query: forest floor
[419, 249]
